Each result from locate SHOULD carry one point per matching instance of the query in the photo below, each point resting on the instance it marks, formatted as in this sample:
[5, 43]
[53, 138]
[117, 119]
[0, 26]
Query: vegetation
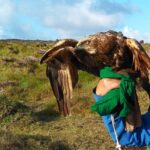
[29, 116]
[147, 47]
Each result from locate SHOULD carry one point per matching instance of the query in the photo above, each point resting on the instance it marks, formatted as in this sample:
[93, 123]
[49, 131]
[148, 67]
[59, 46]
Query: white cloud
[63, 18]
[134, 33]
[68, 18]
[6, 11]
[79, 19]
[6, 15]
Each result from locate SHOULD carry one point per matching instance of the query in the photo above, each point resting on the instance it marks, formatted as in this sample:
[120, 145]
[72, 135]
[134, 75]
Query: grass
[29, 117]
[147, 47]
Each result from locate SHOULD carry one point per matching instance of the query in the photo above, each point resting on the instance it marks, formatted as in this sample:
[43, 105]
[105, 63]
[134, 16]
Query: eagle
[91, 54]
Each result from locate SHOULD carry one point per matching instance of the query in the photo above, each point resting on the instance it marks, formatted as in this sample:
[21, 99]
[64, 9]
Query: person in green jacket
[112, 96]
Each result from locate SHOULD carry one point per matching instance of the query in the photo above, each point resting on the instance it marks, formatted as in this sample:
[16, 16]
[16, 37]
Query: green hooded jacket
[116, 101]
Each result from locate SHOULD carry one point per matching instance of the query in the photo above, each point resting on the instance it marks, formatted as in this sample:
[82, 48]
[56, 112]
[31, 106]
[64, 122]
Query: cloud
[29, 31]
[6, 16]
[6, 11]
[81, 18]
[133, 33]
[61, 19]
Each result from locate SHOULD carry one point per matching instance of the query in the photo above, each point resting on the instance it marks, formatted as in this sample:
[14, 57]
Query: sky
[57, 19]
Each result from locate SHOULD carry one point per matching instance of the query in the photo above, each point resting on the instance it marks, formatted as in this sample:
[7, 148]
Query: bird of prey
[91, 54]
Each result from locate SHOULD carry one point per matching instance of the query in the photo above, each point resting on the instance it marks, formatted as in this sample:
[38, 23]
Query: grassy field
[29, 118]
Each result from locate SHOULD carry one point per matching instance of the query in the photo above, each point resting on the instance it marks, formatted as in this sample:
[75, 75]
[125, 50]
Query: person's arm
[104, 86]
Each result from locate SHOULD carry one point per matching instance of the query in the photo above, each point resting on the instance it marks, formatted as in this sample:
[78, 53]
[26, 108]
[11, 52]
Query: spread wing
[141, 60]
[57, 47]
[62, 59]
[63, 76]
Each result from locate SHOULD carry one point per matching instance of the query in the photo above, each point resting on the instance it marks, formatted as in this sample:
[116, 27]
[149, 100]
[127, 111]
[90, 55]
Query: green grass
[29, 117]
[147, 47]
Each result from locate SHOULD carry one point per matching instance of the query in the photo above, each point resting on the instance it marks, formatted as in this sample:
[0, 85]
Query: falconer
[117, 104]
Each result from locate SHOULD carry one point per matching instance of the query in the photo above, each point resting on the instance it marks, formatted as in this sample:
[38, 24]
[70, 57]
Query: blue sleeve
[119, 126]
[108, 123]
[138, 138]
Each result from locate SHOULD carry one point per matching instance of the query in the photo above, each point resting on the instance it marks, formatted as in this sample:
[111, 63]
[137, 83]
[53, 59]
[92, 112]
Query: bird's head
[87, 44]
[99, 43]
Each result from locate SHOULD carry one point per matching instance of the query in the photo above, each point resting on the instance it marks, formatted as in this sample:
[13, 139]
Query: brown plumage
[58, 47]
[113, 49]
[63, 77]
[93, 53]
